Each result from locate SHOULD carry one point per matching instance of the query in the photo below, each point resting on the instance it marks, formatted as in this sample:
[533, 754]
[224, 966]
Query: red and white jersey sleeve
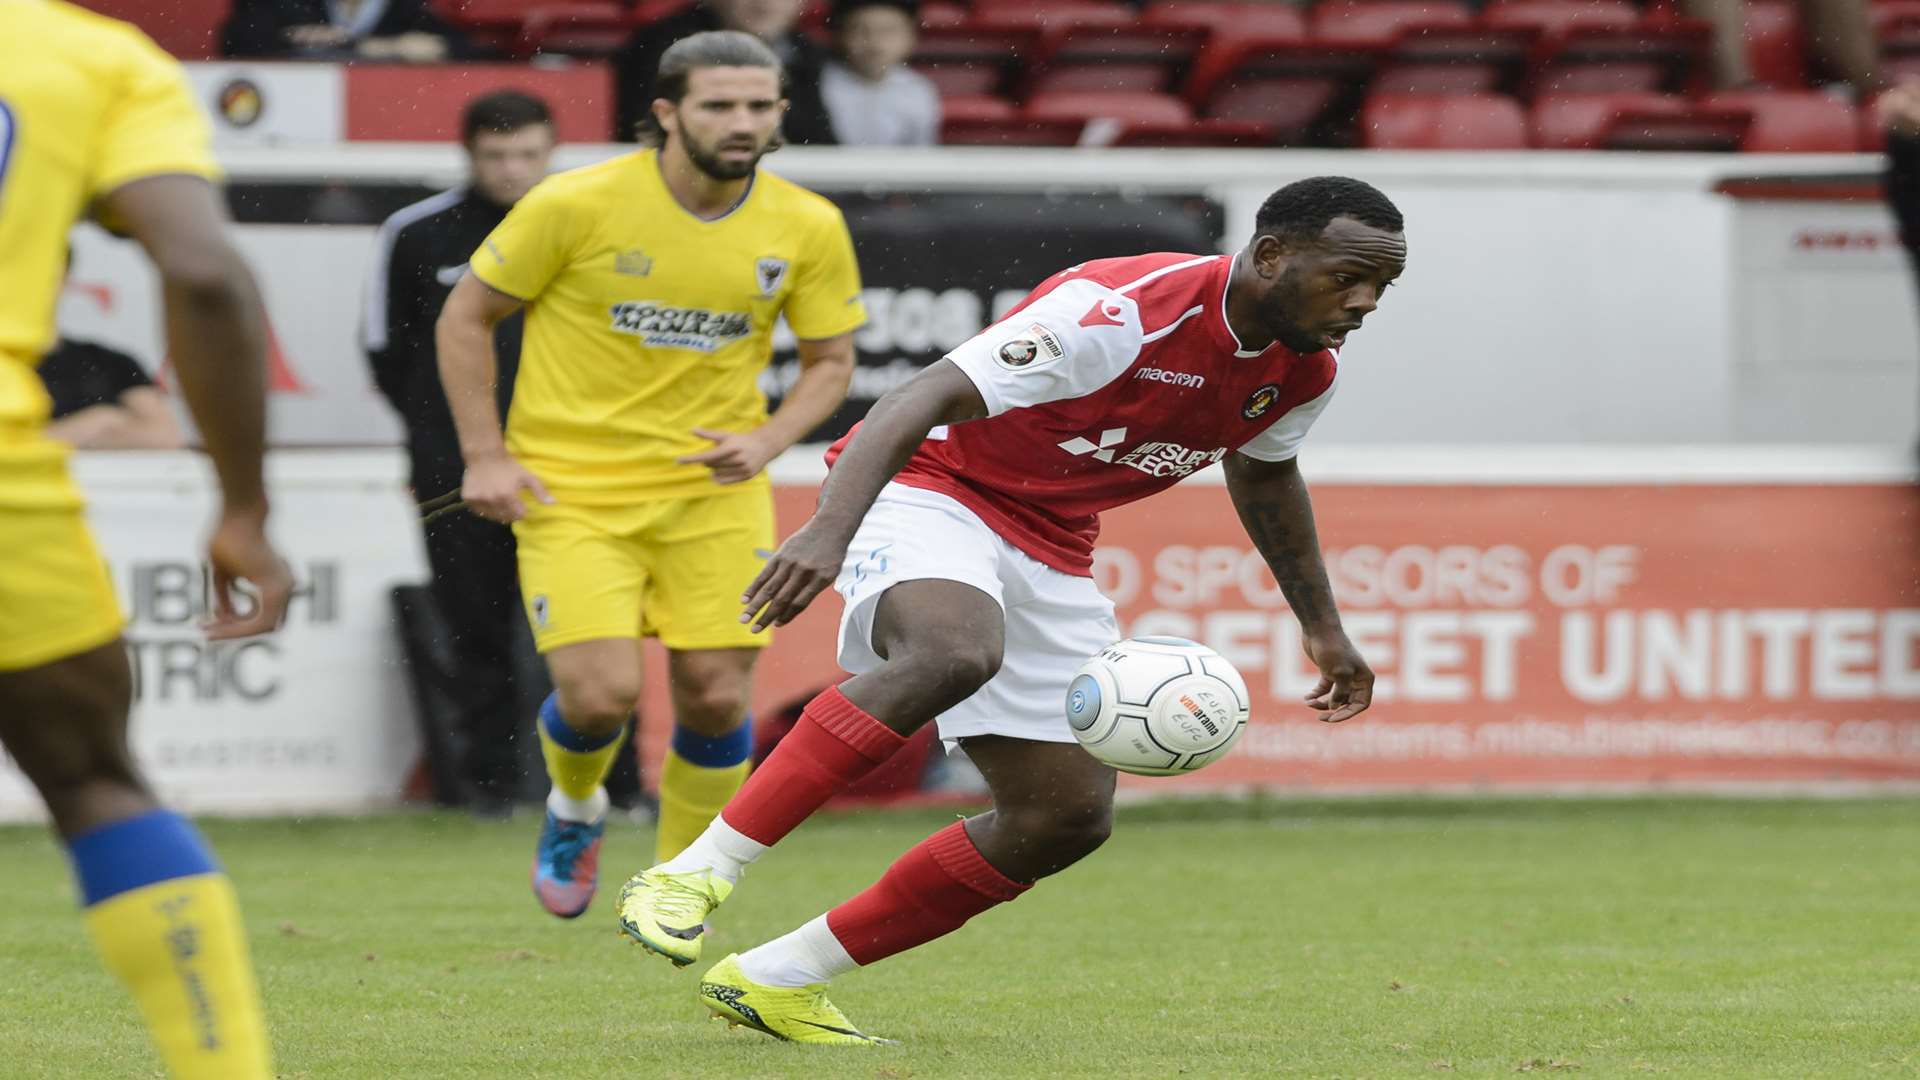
[1066, 343]
[1281, 442]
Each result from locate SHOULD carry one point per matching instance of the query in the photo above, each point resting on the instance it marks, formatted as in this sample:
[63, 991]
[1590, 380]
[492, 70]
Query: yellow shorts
[56, 598]
[669, 568]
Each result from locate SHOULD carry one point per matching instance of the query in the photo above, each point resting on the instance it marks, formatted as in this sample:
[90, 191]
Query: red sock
[831, 748]
[930, 892]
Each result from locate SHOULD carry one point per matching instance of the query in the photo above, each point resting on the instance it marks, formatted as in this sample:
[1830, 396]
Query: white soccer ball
[1157, 706]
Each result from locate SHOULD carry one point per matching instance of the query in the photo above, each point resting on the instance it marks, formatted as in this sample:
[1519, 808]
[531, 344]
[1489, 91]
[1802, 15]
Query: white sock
[809, 955]
[567, 808]
[721, 849]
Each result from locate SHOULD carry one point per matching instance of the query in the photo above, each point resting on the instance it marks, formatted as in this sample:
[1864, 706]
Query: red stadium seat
[1794, 121]
[1124, 107]
[189, 29]
[581, 29]
[969, 60]
[1429, 48]
[1896, 25]
[1229, 21]
[977, 109]
[1295, 108]
[1297, 87]
[1668, 54]
[1114, 58]
[1443, 122]
[1636, 121]
[1018, 131]
[1774, 46]
[1194, 133]
[480, 13]
[942, 16]
[1556, 18]
[1380, 23]
[1049, 15]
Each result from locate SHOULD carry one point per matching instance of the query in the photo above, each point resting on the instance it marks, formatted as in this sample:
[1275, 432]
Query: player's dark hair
[1303, 209]
[501, 113]
[709, 49]
[845, 8]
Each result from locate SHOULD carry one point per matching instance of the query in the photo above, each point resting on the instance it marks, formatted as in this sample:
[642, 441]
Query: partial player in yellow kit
[95, 119]
[652, 283]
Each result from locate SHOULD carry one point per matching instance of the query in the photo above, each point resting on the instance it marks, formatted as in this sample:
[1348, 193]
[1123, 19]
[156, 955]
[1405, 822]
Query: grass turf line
[1682, 938]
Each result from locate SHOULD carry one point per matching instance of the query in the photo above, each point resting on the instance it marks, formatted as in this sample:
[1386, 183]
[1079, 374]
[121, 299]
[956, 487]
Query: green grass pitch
[1680, 938]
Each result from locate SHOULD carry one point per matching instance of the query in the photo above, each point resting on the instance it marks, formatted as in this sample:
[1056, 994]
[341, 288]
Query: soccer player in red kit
[958, 523]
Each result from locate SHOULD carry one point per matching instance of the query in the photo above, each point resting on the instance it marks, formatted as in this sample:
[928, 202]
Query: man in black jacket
[772, 21]
[420, 253]
[391, 30]
[1900, 114]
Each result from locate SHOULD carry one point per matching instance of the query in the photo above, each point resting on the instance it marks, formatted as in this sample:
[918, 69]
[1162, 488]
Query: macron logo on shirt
[1104, 313]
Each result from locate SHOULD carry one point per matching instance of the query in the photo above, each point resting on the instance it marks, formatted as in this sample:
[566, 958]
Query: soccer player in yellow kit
[94, 118]
[631, 465]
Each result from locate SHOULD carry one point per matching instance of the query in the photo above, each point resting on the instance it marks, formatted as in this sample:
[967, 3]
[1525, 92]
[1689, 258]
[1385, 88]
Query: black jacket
[257, 29]
[1903, 189]
[80, 374]
[420, 253]
[807, 122]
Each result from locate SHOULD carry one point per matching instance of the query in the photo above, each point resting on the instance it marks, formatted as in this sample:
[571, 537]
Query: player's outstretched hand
[1346, 682]
[736, 455]
[492, 487]
[805, 565]
[239, 551]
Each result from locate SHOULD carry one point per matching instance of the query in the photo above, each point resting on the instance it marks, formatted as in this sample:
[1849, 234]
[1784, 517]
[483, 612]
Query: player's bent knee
[598, 706]
[951, 671]
[711, 710]
[1067, 832]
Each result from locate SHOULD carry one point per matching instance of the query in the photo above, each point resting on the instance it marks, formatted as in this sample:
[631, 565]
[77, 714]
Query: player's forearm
[1272, 500]
[820, 389]
[468, 370]
[217, 335]
[893, 430]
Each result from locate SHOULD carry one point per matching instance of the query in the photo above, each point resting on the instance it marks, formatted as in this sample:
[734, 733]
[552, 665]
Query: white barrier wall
[314, 718]
[1624, 617]
[1550, 298]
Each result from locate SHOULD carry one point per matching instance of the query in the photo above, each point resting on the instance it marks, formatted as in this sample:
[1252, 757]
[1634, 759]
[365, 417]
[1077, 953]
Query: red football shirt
[1109, 382]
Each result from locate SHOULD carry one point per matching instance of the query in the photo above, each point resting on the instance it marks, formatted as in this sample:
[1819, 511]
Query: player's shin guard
[700, 774]
[576, 762]
[930, 892]
[830, 749]
[166, 923]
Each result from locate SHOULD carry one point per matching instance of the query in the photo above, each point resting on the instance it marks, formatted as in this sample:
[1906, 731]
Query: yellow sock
[178, 945]
[576, 763]
[700, 774]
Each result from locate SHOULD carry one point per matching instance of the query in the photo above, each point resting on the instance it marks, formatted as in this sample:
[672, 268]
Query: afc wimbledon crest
[771, 272]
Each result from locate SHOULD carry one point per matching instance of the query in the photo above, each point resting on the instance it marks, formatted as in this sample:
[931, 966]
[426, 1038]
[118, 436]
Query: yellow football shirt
[645, 322]
[87, 104]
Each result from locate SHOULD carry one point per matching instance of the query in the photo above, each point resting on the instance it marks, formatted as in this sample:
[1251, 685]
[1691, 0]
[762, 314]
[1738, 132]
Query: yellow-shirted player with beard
[95, 119]
[652, 283]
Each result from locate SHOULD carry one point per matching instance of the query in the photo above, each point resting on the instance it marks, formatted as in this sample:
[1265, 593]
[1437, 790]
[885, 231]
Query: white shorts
[1054, 621]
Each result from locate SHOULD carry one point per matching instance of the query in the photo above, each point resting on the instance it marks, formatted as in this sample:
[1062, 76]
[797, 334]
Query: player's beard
[707, 158]
[1277, 311]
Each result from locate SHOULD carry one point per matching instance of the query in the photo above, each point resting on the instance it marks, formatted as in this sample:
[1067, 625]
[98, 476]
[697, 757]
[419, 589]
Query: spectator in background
[419, 254]
[872, 96]
[1899, 113]
[772, 21]
[104, 400]
[395, 30]
[1838, 33]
